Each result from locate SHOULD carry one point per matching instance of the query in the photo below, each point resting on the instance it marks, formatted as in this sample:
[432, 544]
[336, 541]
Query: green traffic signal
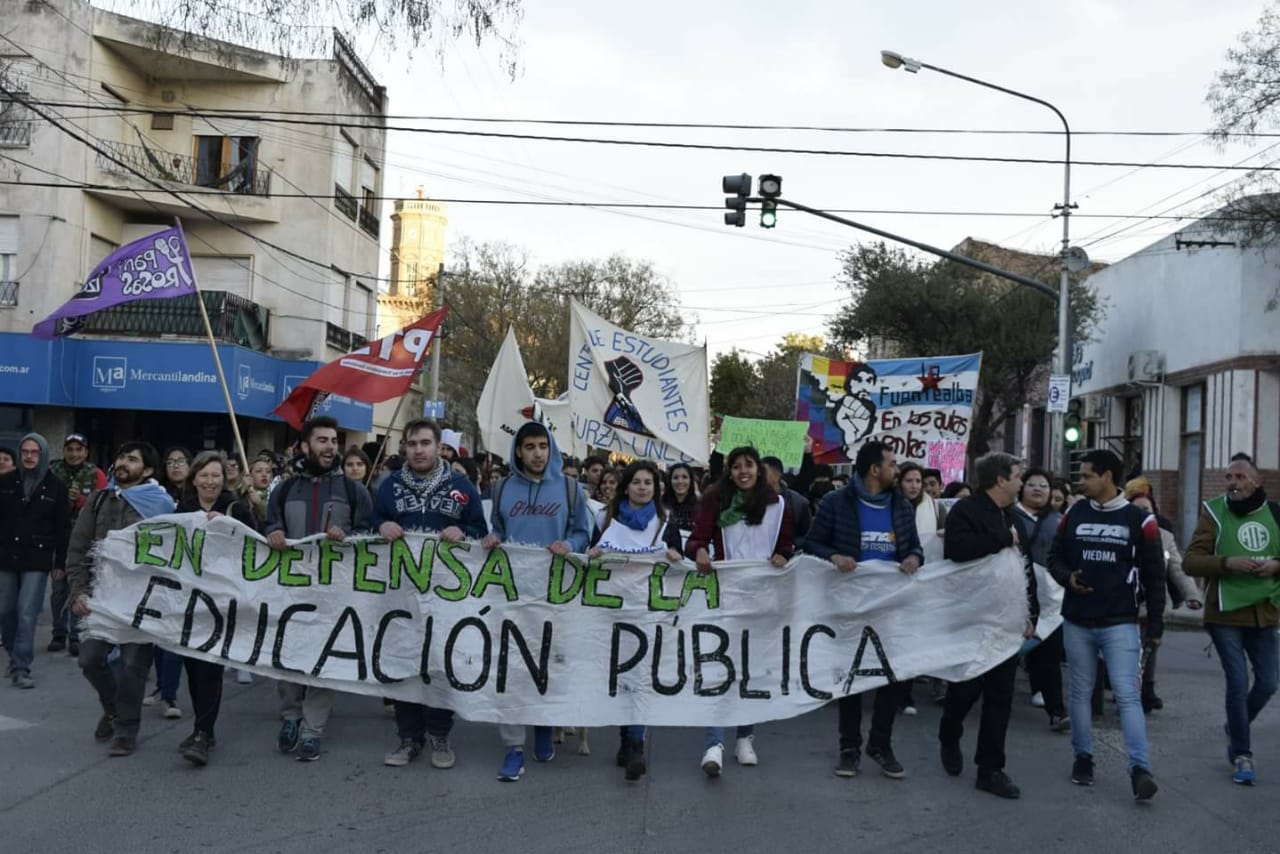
[768, 213]
[1072, 435]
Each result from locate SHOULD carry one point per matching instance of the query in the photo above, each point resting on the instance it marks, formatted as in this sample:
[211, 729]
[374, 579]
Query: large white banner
[506, 402]
[517, 635]
[642, 397]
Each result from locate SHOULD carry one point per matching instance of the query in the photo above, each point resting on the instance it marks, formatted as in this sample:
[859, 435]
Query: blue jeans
[635, 732]
[1234, 643]
[416, 721]
[168, 674]
[21, 600]
[715, 734]
[1121, 649]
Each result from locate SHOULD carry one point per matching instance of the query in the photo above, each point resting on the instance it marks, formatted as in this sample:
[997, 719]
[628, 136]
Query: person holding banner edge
[740, 518]
[426, 496]
[134, 496]
[321, 499]
[868, 520]
[536, 505]
[978, 526]
[636, 522]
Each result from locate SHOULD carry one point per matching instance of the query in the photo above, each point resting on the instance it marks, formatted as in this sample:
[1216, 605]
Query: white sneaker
[152, 698]
[171, 711]
[243, 677]
[745, 751]
[713, 760]
[910, 711]
[1037, 700]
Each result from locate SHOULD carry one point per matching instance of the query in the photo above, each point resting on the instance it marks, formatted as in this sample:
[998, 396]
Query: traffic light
[768, 213]
[1072, 431]
[740, 187]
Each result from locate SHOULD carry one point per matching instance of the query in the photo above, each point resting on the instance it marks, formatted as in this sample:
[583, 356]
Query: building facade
[1184, 369]
[417, 259]
[282, 222]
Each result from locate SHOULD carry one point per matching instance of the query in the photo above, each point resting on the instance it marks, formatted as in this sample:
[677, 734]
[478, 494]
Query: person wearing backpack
[134, 495]
[321, 499]
[536, 506]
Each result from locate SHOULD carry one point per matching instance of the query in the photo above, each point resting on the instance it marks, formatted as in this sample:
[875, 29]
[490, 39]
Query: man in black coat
[979, 526]
[35, 524]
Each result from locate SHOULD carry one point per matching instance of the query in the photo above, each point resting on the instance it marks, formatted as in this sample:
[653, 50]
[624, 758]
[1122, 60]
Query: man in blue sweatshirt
[426, 496]
[1108, 554]
[536, 506]
[868, 520]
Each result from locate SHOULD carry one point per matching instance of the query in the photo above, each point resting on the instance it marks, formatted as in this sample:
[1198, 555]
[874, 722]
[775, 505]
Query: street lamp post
[1061, 356]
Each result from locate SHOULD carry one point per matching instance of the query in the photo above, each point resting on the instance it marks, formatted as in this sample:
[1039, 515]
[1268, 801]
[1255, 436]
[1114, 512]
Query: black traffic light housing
[739, 186]
[1073, 426]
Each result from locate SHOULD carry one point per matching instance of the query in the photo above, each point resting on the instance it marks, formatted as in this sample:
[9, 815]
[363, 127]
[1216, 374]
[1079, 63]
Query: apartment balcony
[369, 222]
[8, 294]
[242, 195]
[234, 319]
[14, 133]
[343, 339]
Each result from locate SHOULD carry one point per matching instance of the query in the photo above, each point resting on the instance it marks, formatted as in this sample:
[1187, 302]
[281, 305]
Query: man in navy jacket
[427, 496]
[868, 520]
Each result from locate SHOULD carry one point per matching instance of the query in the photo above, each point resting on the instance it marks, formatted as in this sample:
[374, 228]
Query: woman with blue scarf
[635, 522]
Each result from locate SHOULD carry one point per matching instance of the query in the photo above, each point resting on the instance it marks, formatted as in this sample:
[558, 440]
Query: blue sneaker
[288, 738]
[512, 766]
[1244, 771]
[544, 749]
[308, 750]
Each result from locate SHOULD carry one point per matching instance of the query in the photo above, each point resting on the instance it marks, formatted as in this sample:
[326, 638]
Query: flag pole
[217, 360]
[382, 446]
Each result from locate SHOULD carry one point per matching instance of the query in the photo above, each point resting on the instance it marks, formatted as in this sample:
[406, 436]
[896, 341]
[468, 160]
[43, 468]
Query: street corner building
[1184, 369]
[283, 226]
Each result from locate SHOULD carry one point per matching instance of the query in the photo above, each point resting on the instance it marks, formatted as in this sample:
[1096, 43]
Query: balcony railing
[343, 339]
[344, 201]
[235, 320]
[14, 133]
[8, 294]
[183, 169]
[369, 222]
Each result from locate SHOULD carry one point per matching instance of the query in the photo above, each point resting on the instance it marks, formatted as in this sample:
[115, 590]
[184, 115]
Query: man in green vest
[1236, 547]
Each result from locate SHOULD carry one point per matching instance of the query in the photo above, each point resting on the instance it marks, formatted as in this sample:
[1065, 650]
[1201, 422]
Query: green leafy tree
[926, 308]
[735, 386]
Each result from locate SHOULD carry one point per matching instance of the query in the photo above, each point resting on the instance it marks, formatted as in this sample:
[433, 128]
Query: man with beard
[134, 496]
[81, 478]
[321, 499]
[427, 496]
[1234, 547]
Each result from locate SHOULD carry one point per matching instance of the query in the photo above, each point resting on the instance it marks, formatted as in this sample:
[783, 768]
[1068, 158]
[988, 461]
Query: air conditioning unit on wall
[1146, 366]
[1095, 407]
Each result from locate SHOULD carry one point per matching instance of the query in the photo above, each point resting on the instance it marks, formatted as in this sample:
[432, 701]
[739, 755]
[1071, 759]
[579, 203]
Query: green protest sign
[781, 439]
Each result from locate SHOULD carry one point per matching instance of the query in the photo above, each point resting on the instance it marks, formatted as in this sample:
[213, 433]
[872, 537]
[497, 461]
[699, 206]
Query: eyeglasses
[176, 463]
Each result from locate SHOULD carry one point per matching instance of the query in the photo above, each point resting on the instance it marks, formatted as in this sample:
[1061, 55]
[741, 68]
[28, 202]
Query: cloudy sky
[1136, 65]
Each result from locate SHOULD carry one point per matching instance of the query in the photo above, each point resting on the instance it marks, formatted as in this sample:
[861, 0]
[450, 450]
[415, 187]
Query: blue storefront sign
[433, 409]
[165, 376]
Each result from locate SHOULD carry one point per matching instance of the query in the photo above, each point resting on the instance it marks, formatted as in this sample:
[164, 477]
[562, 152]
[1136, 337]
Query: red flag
[376, 372]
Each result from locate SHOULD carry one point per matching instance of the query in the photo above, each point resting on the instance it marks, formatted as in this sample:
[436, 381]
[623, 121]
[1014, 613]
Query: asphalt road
[60, 791]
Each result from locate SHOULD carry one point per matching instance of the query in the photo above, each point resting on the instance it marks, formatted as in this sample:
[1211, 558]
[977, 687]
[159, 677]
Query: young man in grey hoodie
[536, 506]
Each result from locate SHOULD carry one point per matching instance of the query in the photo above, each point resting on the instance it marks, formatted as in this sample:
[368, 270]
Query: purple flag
[157, 266]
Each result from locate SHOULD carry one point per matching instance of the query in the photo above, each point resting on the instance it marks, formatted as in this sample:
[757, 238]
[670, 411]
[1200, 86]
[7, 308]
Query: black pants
[884, 707]
[995, 687]
[204, 681]
[1044, 666]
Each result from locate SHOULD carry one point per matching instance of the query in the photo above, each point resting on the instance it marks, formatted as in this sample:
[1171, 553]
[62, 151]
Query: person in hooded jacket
[35, 525]
[320, 499]
[536, 506]
[206, 492]
[740, 518]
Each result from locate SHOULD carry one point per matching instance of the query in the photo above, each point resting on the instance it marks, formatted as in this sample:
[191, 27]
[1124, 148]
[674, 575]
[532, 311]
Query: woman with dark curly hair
[740, 518]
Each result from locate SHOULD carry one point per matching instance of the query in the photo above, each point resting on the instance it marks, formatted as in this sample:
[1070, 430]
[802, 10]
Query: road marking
[7, 724]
